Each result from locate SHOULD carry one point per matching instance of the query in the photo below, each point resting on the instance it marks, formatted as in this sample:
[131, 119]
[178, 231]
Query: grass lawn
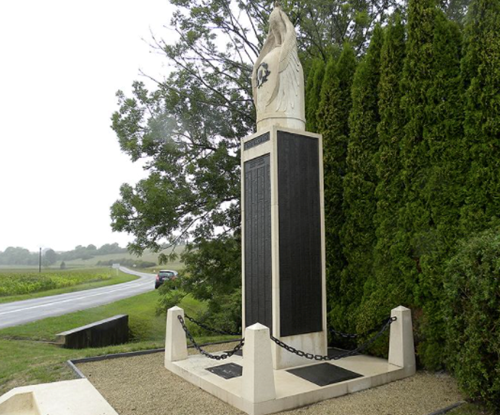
[113, 278]
[471, 409]
[28, 357]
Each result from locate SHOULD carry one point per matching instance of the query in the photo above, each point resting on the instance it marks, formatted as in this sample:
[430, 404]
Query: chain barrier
[349, 353]
[349, 335]
[344, 335]
[211, 329]
[222, 356]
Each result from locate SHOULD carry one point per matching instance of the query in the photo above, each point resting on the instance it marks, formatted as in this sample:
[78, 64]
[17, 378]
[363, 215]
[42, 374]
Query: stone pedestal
[283, 239]
[175, 337]
[401, 347]
[257, 384]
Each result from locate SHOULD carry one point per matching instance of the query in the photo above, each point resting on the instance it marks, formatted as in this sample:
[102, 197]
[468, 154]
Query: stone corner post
[258, 375]
[175, 342]
[401, 347]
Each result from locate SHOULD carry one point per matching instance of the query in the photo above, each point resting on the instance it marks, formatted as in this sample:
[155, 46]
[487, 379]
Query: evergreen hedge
[412, 173]
[384, 286]
[313, 93]
[481, 73]
[333, 116]
[358, 230]
[444, 181]
[472, 312]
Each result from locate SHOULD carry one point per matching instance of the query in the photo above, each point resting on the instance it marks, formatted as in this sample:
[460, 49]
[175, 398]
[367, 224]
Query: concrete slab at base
[75, 397]
[291, 391]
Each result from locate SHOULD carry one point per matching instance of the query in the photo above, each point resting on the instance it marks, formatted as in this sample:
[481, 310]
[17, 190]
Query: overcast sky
[60, 163]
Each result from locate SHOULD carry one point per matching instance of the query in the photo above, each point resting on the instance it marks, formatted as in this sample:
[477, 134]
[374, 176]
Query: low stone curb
[448, 408]
[73, 362]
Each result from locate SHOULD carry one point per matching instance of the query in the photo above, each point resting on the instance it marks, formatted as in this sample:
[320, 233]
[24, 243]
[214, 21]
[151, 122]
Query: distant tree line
[22, 256]
[18, 256]
[91, 251]
[128, 263]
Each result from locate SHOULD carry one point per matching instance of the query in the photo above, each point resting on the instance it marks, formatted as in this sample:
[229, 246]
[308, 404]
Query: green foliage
[358, 231]
[313, 94]
[416, 81]
[481, 72]
[384, 287]
[444, 191]
[171, 294]
[472, 312]
[471, 409]
[325, 25]
[333, 116]
[49, 258]
[430, 169]
[455, 10]
[416, 235]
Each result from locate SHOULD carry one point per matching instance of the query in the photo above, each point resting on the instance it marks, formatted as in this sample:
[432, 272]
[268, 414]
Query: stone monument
[284, 295]
[282, 205]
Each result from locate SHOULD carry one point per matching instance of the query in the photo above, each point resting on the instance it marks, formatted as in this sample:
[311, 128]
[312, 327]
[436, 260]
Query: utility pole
[40, 261]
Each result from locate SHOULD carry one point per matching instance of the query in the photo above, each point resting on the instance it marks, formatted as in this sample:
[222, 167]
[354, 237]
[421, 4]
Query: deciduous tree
[188, 129]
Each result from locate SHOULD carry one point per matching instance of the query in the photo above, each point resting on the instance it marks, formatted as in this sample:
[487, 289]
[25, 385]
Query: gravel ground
[141, 385]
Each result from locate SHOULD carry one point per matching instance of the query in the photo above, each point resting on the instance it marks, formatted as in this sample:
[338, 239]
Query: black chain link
[349, 353]
[211, 329]
[344, 335]
[351, 336]
[222, 356]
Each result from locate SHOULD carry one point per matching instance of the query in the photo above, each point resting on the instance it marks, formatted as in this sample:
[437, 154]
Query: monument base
[292, 391]
[252, 383]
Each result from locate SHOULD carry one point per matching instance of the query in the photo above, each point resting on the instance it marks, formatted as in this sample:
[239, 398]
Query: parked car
[165, 275]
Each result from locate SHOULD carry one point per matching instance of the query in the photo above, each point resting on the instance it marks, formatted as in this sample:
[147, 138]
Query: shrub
[472, 311]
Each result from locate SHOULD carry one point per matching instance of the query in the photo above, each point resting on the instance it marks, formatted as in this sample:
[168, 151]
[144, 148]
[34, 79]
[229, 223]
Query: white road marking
[134, 286]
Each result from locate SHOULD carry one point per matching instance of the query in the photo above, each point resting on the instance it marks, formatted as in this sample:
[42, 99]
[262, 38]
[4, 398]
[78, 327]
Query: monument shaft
[283, 239]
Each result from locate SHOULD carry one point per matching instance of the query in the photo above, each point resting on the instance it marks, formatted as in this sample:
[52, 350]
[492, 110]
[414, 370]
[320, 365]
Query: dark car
[165, 275]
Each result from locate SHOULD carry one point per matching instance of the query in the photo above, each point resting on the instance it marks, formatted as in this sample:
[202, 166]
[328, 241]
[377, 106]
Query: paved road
[20, 312]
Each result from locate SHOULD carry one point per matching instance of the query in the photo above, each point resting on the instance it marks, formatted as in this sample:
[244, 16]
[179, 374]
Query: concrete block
[19, 404]
[401, 346]
[108, 332]
[75, 397]
[258, 375]
[175, 342]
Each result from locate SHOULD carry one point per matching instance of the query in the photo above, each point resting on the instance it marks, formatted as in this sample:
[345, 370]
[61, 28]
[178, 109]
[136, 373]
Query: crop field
[18, 281]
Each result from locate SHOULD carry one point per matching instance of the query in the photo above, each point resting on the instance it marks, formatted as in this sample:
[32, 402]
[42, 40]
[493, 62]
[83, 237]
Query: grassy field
[22, 284]
[147, 256]
[28, 357]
